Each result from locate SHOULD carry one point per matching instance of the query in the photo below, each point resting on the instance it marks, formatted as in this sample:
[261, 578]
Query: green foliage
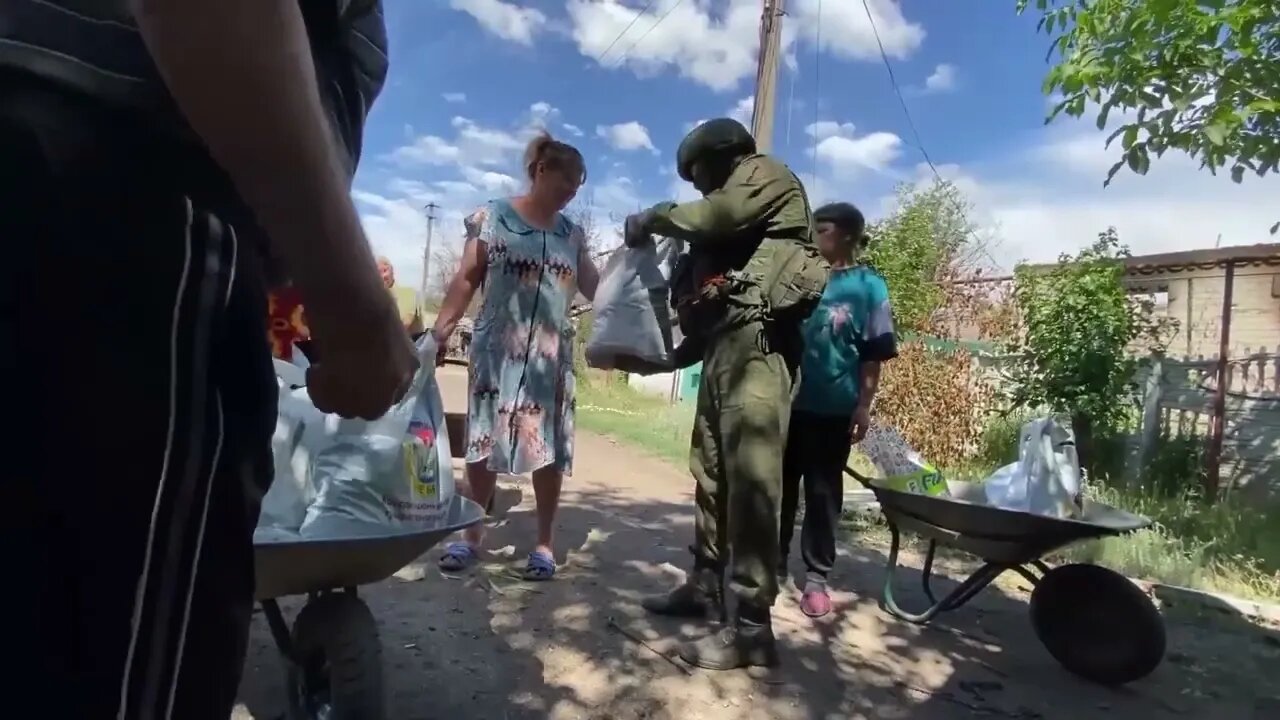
[1176, 467]
[1198, 76]
[998, 445]
[1078, 322]
[915, 245]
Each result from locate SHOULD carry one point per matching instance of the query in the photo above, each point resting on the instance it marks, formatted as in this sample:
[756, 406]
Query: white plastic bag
[1046, 478]
[372, 476]
[632, 316]
[285, 504]
[902, 467]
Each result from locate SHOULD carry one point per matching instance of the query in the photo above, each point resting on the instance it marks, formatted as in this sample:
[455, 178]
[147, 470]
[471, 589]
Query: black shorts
[140, 403]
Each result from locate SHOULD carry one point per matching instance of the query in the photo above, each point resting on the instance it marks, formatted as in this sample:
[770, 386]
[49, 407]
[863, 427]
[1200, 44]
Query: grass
[647, 422]
[1232, 547]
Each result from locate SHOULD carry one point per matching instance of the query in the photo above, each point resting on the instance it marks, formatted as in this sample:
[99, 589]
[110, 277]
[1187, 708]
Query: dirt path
[493, 647]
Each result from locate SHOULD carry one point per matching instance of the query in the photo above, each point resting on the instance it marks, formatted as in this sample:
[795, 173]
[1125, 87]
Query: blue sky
[471, 80]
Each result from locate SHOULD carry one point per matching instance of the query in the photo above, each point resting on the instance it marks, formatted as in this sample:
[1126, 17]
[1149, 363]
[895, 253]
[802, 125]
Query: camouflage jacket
[742, 238]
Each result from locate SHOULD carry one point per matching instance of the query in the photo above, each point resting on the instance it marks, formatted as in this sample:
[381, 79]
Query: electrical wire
[652, 27]
[893, 80]
[897, 90]
[625, 30]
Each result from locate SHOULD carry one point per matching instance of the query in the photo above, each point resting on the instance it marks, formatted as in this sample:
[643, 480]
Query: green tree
[1199, 76]
[1078, 324]
[917, 246]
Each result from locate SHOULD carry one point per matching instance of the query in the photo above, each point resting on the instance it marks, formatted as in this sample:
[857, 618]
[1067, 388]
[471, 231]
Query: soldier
[753, 275]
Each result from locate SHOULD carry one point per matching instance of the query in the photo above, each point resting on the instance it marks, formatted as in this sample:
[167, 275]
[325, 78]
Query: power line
[893, 80]
[652, 27]
[817, 88]
[625, 30]
[897, 90]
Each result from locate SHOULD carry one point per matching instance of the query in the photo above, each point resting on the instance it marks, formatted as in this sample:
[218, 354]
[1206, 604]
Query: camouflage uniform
[744, 236]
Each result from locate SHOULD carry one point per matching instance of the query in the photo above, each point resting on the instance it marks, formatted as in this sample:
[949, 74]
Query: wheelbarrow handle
[866, 481]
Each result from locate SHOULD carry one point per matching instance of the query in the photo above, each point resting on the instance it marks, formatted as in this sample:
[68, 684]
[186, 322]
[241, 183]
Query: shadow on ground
[491, 646]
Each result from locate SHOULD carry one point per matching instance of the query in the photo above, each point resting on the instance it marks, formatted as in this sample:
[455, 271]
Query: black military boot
[749, 642]
[698, 597]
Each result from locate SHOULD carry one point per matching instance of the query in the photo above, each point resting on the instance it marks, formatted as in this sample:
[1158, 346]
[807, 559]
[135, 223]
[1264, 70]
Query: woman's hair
[554, 155]
[847, 218]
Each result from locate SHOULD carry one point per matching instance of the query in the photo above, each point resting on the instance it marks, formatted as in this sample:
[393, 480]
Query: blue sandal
[541, 567]
[458, 556]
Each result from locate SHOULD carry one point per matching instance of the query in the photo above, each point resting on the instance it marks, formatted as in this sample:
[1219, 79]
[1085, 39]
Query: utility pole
[767, 74]
[430, 209]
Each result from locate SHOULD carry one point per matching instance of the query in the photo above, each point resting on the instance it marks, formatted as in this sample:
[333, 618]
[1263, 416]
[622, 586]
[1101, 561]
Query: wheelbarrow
[1095, 622]
[332, 655]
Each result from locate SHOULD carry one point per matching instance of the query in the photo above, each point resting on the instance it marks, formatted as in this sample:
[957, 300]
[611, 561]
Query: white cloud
[943, 79]
[1046, 198]
[454, 97]
[846, 153]
[572, 129]
[743, 111]
[715, 43]
[460, 167]
[627, 136]
[508, 21]
[426, 150]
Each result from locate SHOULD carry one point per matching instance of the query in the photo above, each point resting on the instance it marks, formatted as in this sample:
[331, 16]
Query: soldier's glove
[635, 232]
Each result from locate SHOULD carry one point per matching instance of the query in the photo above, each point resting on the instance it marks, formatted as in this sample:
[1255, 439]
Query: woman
[846, 339]
[533, 261]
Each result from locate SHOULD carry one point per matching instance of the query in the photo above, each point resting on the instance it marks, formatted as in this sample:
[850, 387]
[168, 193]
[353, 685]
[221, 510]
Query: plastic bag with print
[395, 471]
[901, 467]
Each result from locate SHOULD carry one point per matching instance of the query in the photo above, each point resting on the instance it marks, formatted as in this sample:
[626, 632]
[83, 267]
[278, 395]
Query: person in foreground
[532, 260]
[136, 140]
[754, 273]
[845, 340]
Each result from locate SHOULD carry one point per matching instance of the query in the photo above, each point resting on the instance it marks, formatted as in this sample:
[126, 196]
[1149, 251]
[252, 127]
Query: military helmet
[722, 137]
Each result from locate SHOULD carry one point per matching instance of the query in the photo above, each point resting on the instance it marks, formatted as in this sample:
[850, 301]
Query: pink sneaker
[815, 602]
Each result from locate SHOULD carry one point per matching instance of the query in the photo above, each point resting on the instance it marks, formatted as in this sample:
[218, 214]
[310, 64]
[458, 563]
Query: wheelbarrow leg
[279, 629]
[926, 574]
[975, 583]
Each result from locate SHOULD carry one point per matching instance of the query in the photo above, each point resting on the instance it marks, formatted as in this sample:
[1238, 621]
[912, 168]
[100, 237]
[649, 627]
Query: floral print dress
[521, 409]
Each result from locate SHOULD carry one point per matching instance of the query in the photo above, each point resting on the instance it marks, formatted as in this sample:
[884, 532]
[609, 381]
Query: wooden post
[1214, 462]
[767, 74]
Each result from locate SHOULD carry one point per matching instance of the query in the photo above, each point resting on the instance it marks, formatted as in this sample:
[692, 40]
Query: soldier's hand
[635, 231]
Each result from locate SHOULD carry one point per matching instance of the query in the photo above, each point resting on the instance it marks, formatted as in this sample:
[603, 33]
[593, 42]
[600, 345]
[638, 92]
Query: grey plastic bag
[632, 322]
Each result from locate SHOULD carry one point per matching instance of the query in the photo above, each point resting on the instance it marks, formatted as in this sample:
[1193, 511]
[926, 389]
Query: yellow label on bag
[421, 463]
[928, 481]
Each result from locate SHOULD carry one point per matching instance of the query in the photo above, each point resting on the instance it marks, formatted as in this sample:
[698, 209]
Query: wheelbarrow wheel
[1098, 624]
[338, 672]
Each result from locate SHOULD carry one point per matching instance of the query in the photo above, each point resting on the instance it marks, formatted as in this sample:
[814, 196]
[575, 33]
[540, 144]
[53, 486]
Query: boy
[845, 340]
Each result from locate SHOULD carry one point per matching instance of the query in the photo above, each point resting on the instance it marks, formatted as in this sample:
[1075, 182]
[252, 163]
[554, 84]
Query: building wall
[659, 385]
[1195, 300]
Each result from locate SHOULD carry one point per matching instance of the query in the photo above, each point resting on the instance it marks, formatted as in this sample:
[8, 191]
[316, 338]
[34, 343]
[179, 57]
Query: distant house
[1189, 287]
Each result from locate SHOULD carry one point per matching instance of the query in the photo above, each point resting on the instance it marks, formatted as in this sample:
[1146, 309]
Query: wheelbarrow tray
[363, 553]
[966, 522]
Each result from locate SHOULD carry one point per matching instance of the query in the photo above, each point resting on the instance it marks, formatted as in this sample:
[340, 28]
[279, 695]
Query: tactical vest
[92, 47]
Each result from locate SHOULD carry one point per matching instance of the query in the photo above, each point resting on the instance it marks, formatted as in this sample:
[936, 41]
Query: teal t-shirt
[851, 325]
